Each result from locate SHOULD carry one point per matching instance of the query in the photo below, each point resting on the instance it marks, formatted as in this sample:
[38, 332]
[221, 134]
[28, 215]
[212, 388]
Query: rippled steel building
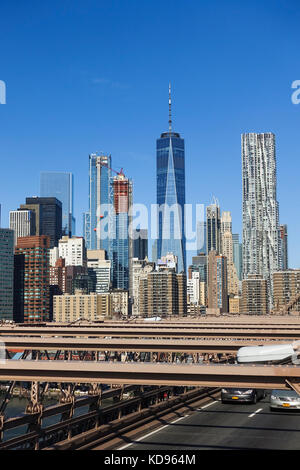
[261, 244]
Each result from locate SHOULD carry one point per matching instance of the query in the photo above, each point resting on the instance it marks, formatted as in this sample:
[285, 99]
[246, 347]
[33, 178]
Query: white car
[284, 399]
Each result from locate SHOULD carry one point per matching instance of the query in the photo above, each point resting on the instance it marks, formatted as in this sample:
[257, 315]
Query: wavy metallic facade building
[261, 243]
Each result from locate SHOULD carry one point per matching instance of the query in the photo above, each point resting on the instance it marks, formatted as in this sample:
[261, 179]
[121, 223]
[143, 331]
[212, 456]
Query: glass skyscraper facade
[122, 243]
[213, 225]
[201, 237]
[98, 219]
[61, 186]
[6, 274]
[237, 255]
[140, 244]
[120, 255]
[170, 168]
[48, 217]
[106, 223]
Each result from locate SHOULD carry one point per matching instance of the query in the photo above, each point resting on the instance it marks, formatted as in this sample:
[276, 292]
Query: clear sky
[91, 76]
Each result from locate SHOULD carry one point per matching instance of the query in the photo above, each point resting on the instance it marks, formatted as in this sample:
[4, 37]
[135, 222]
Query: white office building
[73, 250]
[22, 222]
[99, 270]
[196, 289]
[140, 271]
[193, 288]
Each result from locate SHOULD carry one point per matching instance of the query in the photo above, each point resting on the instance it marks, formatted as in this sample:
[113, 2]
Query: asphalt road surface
[218, 426]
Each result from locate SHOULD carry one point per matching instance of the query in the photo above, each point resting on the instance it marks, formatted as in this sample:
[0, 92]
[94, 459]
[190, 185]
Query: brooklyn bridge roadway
[225, 375]
[218, 426]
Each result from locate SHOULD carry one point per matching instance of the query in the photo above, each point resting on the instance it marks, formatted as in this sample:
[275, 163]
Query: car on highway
[284, 399]
[246, 395]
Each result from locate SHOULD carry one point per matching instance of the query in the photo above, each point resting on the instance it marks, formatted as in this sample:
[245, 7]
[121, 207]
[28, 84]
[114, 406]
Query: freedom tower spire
[170, 193]
[170, 110]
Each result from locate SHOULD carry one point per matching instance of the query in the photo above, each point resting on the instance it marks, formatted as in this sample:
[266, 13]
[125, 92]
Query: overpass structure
[203, 320]
[189, 346]
[277, 332]
[253, 376]
[186, 337]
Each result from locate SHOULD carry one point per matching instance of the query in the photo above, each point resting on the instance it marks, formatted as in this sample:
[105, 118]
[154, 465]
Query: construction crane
[117, 172]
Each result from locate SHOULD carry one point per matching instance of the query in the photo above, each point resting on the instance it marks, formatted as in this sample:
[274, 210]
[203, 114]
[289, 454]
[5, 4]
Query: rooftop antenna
[215, 201]
[170, 114]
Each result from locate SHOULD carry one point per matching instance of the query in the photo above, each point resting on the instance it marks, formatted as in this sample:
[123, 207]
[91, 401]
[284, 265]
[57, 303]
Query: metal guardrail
[42, 437]
[131, 422]
[53, 410]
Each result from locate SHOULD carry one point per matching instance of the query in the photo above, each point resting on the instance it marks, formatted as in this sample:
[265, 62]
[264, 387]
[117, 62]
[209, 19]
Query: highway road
[217, 426]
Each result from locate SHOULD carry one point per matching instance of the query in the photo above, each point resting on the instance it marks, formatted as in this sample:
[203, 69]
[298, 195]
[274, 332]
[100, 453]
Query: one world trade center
[170, 195]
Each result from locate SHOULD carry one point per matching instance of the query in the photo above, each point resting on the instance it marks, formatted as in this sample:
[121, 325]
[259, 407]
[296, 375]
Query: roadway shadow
[201, 428]
[173, 446]
[220, 426]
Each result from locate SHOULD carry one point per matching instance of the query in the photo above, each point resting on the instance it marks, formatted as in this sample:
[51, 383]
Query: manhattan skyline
[103, 98]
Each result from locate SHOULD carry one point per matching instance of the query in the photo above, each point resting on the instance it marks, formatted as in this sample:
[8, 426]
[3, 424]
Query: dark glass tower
[6, 273]
[170, 195]
[61, 186]
[48, 217]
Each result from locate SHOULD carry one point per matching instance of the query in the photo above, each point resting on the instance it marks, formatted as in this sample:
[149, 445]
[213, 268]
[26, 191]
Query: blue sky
[90, 76]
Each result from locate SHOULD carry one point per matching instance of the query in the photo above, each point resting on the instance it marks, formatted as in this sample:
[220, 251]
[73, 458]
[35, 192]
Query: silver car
[287, 399]
[241, 395]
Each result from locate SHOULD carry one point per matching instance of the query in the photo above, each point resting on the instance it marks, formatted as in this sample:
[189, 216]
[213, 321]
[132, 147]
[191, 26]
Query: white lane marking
[151, 433]
[257, 411]
[163, 427]
[206, 406]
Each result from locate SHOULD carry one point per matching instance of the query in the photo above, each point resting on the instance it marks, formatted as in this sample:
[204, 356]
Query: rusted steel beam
[257, 376]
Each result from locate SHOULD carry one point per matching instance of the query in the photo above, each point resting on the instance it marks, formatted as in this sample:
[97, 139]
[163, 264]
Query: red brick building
[31, 280]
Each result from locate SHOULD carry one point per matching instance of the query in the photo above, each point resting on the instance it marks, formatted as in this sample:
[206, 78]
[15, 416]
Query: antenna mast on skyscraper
[215, 201]
[170, 114]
